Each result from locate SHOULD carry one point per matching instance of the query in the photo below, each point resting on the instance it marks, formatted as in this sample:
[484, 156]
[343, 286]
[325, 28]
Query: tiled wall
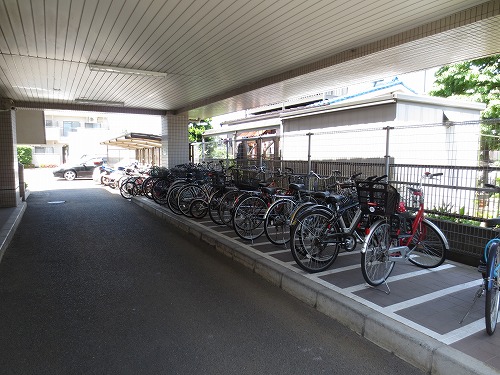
[9, 179]
[174, 140]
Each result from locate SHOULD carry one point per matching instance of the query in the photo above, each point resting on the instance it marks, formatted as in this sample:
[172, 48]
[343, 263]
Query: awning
[263, 125]
[135, 141]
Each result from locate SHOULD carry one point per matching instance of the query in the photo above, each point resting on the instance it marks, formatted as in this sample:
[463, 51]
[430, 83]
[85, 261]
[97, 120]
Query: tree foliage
[476, 80]
[479, 81]
[196, 130]
[25, 155]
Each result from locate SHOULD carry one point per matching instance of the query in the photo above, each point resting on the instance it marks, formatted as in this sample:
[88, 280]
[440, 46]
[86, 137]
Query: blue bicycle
[489, 266]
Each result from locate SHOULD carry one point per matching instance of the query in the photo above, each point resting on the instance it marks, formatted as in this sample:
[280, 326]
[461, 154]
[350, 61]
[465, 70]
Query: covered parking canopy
[207, 58]
[147, 146]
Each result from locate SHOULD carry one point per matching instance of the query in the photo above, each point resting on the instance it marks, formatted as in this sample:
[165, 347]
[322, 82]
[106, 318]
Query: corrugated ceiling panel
[218, 48]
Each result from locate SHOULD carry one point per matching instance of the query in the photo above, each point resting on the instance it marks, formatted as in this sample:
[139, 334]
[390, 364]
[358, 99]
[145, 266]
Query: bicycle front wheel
[213, 206]
[226, 206]
[375, 263]
[315, 241]
[427, 247]
[277, 221]
[198, 208]
[159, 191]
[186, 195]
[248, 217]
[492, 289]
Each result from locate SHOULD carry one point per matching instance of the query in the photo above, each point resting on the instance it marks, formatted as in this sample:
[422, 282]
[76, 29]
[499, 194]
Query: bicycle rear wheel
[492, 289]
[375, 264]
[315, 241]
[428, 249]
[248, 217]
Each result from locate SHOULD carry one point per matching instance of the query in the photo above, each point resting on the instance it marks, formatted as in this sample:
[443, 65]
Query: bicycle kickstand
[388, 291]
[478, 294]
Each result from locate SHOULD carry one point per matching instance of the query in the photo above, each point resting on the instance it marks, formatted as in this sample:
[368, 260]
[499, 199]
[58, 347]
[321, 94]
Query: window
[51, 124]
[44, 150]
[92, 125]
[70, 126]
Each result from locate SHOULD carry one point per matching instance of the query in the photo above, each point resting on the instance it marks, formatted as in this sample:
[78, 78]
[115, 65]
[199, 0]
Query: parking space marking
[430, 296]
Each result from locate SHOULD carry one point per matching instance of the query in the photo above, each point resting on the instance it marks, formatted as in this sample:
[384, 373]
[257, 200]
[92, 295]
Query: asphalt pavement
[92, 283]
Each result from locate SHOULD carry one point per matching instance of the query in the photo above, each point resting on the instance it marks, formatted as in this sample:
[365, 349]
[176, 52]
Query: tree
[25, 155]
[196, 129]
[477, 80]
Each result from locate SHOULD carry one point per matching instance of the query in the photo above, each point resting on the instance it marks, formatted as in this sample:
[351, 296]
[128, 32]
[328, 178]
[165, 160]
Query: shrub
[25, 155]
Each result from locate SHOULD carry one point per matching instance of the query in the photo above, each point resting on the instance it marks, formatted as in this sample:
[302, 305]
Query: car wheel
[69, 175]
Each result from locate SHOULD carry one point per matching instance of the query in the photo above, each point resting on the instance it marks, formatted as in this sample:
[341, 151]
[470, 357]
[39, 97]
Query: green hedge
[25, 155]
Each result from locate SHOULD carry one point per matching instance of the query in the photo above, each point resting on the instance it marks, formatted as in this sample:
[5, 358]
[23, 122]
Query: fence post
[203, 149]
[259, 151]
[387, 157]
[309, 165]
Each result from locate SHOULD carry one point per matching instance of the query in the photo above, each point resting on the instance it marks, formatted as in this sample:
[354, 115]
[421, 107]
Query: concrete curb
[9, 228]
[414, 347]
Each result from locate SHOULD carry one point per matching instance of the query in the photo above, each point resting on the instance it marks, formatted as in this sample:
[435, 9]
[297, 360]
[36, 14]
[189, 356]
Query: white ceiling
[222, 56]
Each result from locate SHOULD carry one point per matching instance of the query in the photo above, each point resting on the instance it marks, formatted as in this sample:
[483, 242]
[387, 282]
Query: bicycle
[489, 266]
[398, 235]
[277, 216]
[320, 231]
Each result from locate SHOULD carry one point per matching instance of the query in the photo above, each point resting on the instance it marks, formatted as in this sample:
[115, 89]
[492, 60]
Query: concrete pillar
[9, 177]
[174, 140]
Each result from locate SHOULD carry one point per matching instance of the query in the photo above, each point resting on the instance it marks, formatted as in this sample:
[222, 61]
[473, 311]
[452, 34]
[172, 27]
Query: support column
[9, 170]
[174, 140]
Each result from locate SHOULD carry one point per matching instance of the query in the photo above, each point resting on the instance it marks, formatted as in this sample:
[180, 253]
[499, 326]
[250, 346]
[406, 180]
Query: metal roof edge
[425, 99]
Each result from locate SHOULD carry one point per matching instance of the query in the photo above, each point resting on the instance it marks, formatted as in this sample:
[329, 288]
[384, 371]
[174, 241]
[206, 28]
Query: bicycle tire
[147, 186]
[127, 188]
[213, 206]
[315, 241]
[492, 289]
[159, 191]
[428, 249]
[277, 221]
[198, 208]
[375, 263]
[248, 217]
[172, 198]
[299, 210]
[186, 195]
[226, 206]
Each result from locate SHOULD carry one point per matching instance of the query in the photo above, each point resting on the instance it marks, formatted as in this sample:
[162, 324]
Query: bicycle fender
[441, 234]
[377, 223]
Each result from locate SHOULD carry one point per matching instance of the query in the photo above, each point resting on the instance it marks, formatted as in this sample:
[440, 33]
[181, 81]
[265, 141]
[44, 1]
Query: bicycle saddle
[297, 187]
[268, 190]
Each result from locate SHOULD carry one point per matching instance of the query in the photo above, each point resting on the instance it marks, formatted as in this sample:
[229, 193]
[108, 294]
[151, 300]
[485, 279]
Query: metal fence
[404, 153]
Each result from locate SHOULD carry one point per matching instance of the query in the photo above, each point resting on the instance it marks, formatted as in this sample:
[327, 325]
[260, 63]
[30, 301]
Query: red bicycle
[399, 235]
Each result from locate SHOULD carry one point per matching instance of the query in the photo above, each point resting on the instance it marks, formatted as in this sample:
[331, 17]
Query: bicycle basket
[246, 179]
[377, 198]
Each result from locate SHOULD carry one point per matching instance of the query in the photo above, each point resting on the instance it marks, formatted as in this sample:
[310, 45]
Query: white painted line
[404, 276]
[428, 297]
[463, 332]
